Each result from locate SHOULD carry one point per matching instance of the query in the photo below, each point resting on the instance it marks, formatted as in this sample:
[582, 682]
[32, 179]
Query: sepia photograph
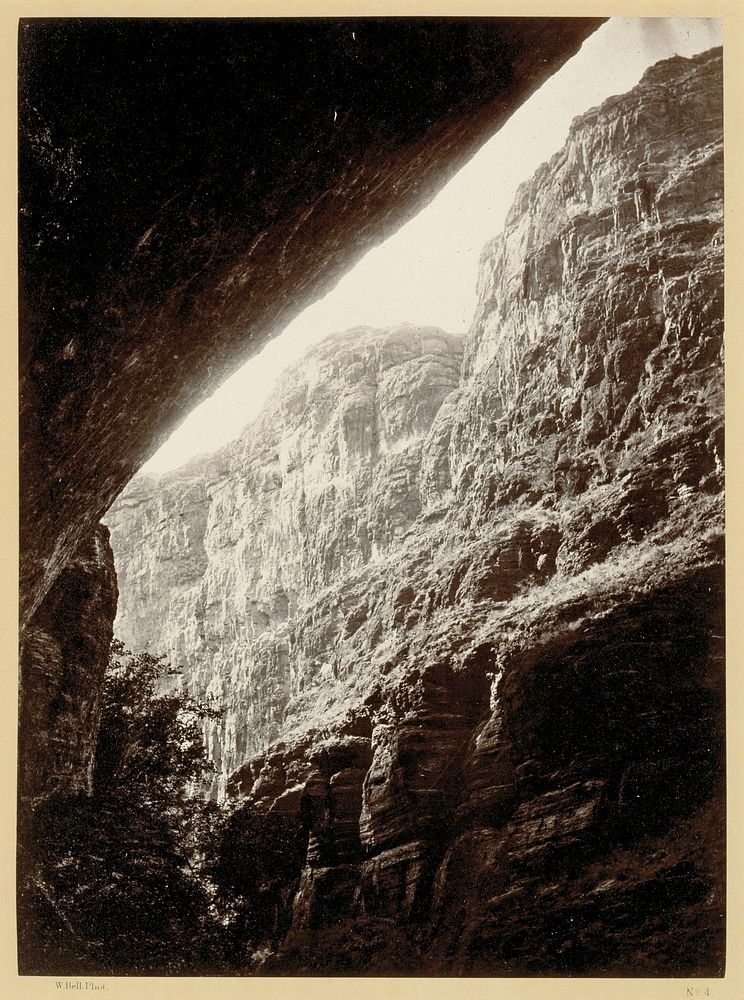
[372, 551]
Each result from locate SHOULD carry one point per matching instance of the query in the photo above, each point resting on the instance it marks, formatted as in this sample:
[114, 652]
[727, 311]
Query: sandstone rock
[396, 882]
[63, 657]
[476, 640]
[226, 562]
[214, 178]
[411, 786]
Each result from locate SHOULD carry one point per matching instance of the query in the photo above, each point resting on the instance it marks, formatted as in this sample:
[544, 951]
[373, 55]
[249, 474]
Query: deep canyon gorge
[458, 601]
[461, 600]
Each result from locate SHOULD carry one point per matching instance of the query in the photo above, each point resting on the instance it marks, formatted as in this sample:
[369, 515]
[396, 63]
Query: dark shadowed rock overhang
[186, 187]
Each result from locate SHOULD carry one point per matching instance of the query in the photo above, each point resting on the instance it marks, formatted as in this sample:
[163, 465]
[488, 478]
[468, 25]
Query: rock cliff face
[230, 566]
[213, 178]
[63, 656]
[479, 621]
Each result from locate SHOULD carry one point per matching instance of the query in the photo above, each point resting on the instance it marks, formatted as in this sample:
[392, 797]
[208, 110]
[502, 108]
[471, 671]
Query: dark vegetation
[144, 876]
[120, 881]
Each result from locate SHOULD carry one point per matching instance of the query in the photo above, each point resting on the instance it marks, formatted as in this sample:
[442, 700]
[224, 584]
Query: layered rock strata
[188, 186]
[230, 566]
[63, 656]
[504, 753]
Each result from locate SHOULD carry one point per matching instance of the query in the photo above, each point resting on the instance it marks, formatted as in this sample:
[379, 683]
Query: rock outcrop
[188, 186]
[499, 744]
[230, 565]
[63, 656]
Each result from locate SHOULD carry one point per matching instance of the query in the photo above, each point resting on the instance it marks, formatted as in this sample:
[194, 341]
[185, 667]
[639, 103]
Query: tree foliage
[150, 744]
[256, 869]
[117, 882]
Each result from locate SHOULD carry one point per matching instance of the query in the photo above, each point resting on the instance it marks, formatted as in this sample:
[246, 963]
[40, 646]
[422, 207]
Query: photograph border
[732, 984]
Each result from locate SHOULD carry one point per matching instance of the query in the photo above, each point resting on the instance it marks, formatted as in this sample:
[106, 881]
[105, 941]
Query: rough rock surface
[509, 758]
[188, 186]
[230, 565]
[63, 656]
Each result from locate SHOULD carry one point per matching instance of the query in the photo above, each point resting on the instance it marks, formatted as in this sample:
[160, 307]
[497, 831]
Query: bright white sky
[426, 272]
